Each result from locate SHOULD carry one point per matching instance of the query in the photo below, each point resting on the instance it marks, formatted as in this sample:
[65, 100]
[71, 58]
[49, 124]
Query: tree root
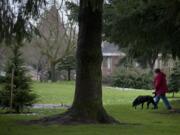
[73, 117]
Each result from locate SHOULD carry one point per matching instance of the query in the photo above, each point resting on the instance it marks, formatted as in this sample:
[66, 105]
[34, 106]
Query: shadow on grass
[34, 122]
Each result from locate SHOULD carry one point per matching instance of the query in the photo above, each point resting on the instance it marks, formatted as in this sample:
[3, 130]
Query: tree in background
[57, 38]
[34, 58]
[143, 51]
[174, 82]
[3, 56]
[144, 58]
[146, 27]
[16, 93]
[16, 19]
[68, 64]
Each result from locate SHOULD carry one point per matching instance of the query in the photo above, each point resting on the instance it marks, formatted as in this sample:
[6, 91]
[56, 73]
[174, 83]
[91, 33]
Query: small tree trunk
[173, 94]
[37, 72]
[12, 89]
[69, 74]
[151, 65]
[17, 109]
[53, 72]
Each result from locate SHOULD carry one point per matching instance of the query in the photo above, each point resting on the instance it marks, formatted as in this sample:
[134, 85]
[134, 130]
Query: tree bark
[151, 65]
[173, 94]
[88, 92]
[53, 72]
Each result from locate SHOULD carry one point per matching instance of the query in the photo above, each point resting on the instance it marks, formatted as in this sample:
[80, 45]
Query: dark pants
[165, 101]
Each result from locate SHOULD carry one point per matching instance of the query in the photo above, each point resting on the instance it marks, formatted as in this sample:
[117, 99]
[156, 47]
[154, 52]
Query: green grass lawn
[117, 102]
[63, 92]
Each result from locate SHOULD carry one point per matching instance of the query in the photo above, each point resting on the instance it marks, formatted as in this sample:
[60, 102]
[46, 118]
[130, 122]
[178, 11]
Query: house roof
[110, 49]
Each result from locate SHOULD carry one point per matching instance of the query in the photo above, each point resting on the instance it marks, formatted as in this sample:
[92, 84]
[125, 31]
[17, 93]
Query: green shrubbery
[2, 79]
[133, 78]
[174, 81]
[107, 80]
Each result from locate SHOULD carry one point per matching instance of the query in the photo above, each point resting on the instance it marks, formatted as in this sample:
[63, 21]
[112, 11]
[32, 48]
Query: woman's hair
[157, 70]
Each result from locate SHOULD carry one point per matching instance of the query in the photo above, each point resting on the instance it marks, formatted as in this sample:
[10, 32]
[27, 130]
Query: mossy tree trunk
[88, 92]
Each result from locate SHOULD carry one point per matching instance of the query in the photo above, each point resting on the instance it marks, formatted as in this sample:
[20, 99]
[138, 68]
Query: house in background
[111, 57]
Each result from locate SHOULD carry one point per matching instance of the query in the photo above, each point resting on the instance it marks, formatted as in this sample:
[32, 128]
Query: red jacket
[160, 84]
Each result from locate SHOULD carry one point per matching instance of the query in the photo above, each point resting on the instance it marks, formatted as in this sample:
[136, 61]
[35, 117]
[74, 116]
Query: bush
[133, 78]
[2, 79]
[174, 81]
[107, 80]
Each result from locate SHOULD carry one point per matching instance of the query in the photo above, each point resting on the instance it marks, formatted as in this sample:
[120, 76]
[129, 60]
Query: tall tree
[87, 106]
[16, 17]
[57, 38]
[144, 25]
[33, 57]
[3, 55]
[15, 26]
[146, 57]
[88, 93]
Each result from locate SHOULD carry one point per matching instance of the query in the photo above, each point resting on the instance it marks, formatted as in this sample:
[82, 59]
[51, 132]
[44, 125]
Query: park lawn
[117, 103]
[63, 92]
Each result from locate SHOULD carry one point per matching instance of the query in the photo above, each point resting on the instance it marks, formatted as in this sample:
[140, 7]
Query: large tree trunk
[88, 93]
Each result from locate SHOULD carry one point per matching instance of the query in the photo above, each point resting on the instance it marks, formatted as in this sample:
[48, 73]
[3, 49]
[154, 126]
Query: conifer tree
[16, 93]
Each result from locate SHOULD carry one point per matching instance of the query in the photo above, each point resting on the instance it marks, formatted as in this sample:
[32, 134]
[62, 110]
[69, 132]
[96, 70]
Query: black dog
[140, 100]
